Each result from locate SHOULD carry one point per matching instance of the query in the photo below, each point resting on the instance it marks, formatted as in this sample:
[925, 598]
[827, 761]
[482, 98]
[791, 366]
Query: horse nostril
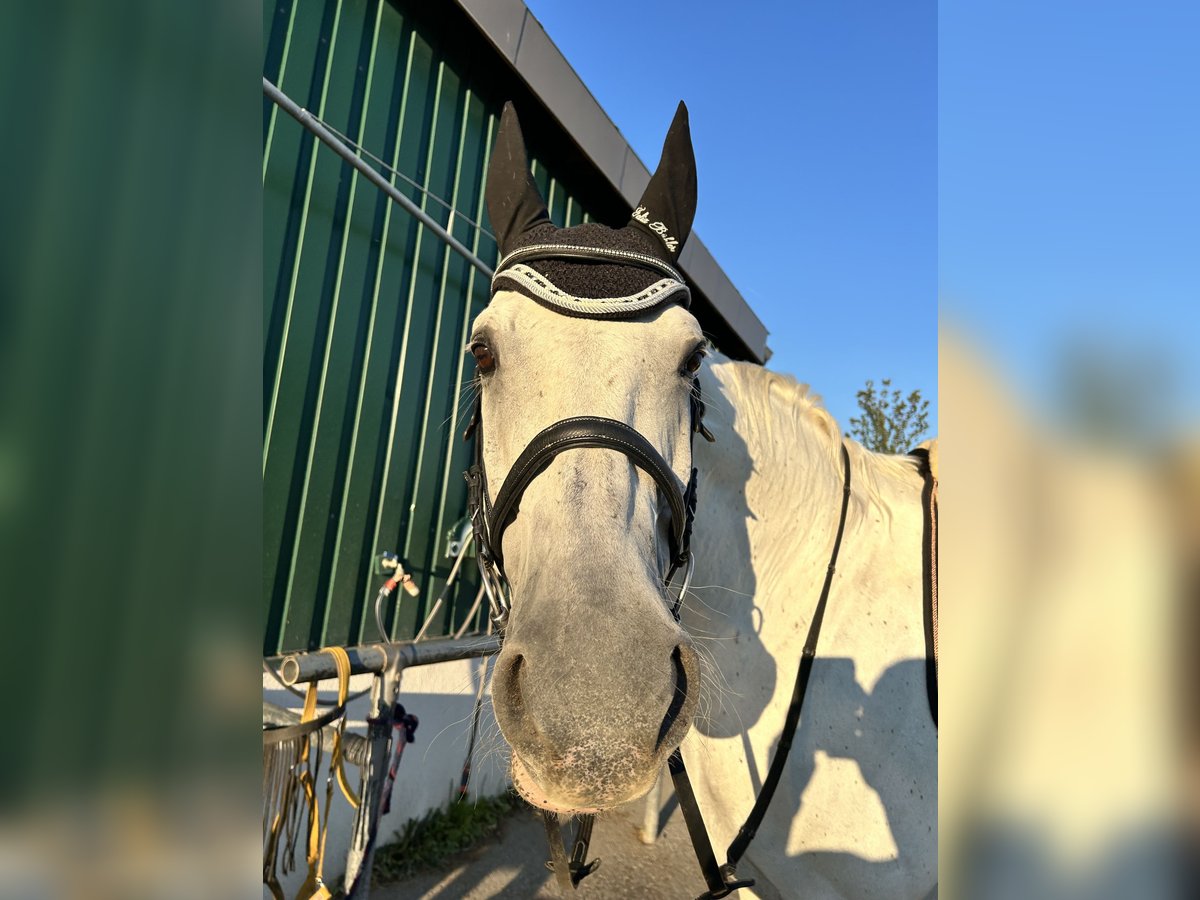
[677, 699]
[506, 681]
[509, 696]
[512, 680]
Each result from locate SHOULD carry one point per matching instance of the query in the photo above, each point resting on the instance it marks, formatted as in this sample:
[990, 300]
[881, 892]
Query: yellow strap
[310, 704]
[310, 792]
[314, 886]
[312, 882]
[342, 661]
[344, 783]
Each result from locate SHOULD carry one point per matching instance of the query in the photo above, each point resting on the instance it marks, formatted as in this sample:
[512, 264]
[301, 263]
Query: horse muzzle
[583, 743]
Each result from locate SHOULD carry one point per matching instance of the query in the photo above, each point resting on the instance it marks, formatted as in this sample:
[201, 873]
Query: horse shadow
[875, 730]
[843, 722]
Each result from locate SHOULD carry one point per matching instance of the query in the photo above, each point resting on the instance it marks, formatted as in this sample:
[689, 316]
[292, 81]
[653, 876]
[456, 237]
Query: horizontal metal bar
[305, 118]
[300, 668]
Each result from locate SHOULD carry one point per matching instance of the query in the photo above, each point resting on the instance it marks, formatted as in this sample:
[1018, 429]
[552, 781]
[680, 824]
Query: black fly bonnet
[595, 272]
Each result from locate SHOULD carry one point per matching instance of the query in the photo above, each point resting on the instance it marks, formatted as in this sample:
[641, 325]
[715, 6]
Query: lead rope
[722, 880]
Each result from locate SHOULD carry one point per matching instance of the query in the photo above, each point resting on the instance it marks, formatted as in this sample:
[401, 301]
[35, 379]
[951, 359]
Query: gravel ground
[513, 863]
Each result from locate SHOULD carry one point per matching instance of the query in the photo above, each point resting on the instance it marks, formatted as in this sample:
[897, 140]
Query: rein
[722, 880]
[490, 522]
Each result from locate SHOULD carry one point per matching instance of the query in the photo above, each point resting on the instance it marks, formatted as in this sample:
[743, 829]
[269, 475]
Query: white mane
[779, 415]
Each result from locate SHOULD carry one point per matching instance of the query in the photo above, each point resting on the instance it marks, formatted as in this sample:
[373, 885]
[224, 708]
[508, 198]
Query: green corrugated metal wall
[365, 313]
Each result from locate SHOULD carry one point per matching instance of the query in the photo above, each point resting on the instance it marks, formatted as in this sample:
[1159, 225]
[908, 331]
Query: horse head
[596, 683]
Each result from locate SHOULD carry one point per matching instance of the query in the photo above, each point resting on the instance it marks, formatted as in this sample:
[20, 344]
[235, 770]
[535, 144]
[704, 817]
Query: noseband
[491, 521]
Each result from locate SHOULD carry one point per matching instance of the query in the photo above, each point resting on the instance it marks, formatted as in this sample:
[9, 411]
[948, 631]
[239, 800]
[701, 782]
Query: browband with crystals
[536, 285]
[540, 288]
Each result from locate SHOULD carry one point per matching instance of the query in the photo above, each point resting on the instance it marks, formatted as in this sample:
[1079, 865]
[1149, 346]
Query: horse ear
[668, 204]
[513, 201]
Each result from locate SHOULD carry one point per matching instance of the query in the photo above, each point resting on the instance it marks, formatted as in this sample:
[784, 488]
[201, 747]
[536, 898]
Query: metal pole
[391, 660]
[305, 118]
[379, 737]
[299, 668]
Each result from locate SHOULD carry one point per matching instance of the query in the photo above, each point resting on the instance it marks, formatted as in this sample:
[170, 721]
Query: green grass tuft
[432, 840]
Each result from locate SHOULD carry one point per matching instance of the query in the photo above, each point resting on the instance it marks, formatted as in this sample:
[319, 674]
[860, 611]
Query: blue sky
[1069, 176]
[815, 129]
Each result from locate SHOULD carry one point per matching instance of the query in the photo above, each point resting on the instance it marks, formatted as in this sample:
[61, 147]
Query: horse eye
[484, 360]
[692, 366]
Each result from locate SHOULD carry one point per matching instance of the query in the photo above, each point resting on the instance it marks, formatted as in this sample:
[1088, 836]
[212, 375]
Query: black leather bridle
[490, 522]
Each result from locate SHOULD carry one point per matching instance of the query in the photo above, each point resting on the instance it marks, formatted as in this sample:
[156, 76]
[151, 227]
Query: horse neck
[773, 486]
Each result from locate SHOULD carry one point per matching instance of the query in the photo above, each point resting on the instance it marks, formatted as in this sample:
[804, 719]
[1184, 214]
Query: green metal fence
[365, 312]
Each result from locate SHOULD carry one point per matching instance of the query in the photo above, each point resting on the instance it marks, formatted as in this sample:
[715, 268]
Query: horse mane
[774, 401]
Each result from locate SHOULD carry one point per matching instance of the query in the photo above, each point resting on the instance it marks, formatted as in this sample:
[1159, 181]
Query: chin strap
[569, 872]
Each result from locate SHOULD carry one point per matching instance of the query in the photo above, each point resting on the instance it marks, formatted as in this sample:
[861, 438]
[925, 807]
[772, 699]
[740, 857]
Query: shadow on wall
[841, 721]
[844, 722]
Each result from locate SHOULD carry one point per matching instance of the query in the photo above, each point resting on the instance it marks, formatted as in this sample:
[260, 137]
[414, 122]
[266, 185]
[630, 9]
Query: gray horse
[597, 683]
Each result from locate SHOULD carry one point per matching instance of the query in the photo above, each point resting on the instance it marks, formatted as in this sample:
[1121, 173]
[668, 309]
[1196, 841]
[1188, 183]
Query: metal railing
[348, 153]
[387, 663]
